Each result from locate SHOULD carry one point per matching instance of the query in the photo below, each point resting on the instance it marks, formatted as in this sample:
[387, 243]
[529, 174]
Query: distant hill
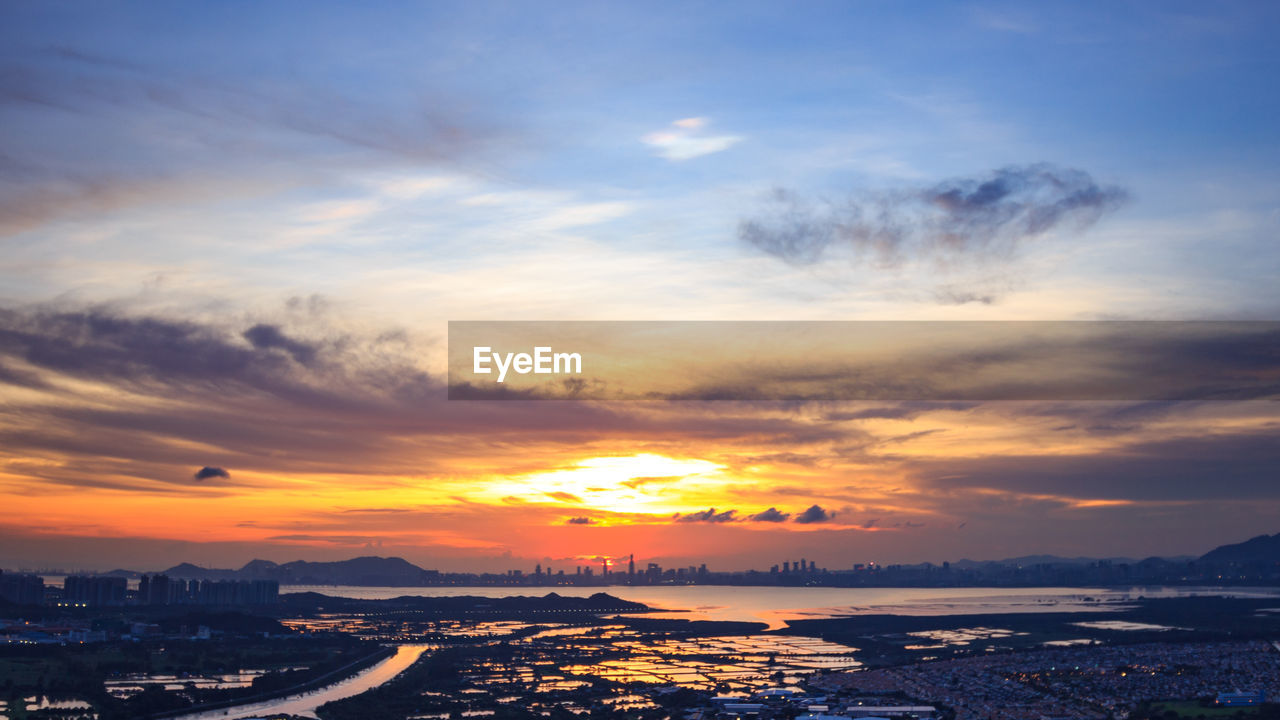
[1263, 549]
[119, 572]
[259, 570]
[195, 572]
[1055, 560]
[393, 571]
[1032, 560]
[464, 605]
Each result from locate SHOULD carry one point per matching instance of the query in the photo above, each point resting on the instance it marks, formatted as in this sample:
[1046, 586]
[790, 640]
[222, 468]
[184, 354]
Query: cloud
[1221, 465]
[685, 140]
[954, 296]
[269, 336]
[564, 496]
[209, 471]
[965, 218]
[365, 412]
[770, 515]
[99, 343]
[710, 516]
[162, 132]
[344, 540]
[637, 482]
[174, 383]
[815, 514]
[959, 363]
[900, 411]
[583, 520]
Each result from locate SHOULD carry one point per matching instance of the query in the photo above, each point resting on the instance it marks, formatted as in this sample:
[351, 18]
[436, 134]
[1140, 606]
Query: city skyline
[1243, 558]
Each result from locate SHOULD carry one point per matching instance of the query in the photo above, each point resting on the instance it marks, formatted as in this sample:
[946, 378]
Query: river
[305, 704]
[770, 605]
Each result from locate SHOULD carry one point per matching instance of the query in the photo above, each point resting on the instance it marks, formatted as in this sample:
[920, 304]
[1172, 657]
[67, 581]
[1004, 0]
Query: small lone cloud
[580, 521]
[636, 482]
[209, 471]
[770, 515]
[685, 139]
[951, 296]
[815, 514]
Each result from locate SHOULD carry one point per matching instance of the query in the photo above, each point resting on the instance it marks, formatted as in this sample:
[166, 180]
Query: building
[21, 589]
[94, 591]
[1240, 699]
[162, 590]
[890, 711]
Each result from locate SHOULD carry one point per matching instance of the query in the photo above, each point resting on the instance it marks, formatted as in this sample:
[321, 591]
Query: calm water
[776, 605]
[771, 605]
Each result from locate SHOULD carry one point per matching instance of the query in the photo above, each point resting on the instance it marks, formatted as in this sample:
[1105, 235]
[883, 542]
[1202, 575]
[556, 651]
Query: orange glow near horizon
[672, 498]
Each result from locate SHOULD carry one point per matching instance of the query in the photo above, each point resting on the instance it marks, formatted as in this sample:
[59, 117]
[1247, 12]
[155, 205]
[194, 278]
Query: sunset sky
[233, 235]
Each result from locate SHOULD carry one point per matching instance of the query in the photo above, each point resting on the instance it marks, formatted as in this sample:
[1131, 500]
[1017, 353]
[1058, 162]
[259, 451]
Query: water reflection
[775, 605]
[305, 704]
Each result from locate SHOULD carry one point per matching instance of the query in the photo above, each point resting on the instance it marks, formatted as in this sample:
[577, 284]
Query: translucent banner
[856, 360]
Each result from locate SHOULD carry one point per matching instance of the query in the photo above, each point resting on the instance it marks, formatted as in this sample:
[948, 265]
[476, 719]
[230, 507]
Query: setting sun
[634, 484]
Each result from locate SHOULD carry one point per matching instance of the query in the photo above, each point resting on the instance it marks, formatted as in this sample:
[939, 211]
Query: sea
[774, 606]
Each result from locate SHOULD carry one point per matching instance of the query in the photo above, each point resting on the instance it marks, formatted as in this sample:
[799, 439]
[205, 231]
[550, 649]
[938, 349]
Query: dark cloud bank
[813, 514]
[271, 400]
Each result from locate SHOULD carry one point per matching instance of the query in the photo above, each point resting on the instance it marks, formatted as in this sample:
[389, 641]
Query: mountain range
[1263, 550]
[369, 571]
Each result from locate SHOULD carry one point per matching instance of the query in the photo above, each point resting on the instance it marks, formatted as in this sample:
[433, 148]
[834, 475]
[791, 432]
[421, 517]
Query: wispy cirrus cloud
[160, 133]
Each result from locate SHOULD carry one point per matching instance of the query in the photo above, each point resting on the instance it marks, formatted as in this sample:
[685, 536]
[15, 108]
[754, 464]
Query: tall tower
[631, 568]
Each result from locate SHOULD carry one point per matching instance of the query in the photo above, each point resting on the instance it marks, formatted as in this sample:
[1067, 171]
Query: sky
[233, 235]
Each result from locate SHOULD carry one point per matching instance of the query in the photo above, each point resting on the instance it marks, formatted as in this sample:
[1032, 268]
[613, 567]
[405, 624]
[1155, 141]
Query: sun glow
[645, 483]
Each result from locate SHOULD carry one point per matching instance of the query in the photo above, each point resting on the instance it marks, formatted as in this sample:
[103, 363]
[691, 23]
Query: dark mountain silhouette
[357, 571]
[1264, 549]
[393, 571]
[1029, 560]
[463, 605]
[120, 572]
[187, 570]
[259, 570]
